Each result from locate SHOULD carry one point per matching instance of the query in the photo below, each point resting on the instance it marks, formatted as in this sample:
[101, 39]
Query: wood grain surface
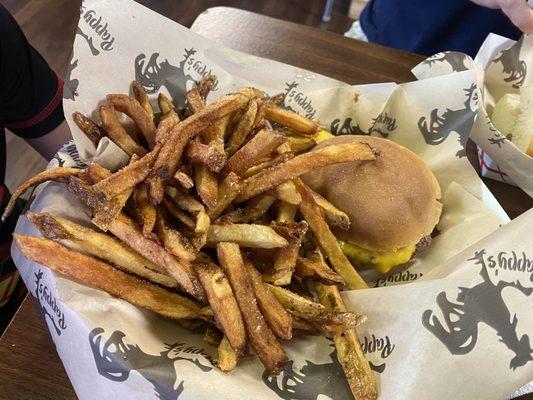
[29, 365]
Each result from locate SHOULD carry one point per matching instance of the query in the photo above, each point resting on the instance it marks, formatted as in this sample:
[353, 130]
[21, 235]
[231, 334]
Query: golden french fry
[95, 173]
[245, 235]
[317, 270]
[228, 189]
[327, 241]
[227, 357]
[334, 217]
[301, 164]
[179, 215]
[184, 180]
[193, 325]
[213, 335]
[164, 103]
[349, 351]
[263, 340]
[127, 177]
[133, 109]
[213, 157]
[222, 302]
[290, 119]
[300, 144]
[145, 210]
[286, 192]
[206, 185]
[167, 162]
[275, 315]
[254, 209]
[166, 124]
[206, 84]
[174, 241]
[105, 247]
[183, 200]
[116, 132]
[251, 153]
[55, 174]
[281, 158]
[195, 102]
[286, 212]
[142, 98]
[299, 324]
[243, 128]
[96, 273]
[87, 126]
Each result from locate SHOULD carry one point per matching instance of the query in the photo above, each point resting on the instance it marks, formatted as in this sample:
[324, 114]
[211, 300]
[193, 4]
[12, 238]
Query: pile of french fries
[210, 224]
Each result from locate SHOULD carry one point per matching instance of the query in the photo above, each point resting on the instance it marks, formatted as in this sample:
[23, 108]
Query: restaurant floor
[50, 26]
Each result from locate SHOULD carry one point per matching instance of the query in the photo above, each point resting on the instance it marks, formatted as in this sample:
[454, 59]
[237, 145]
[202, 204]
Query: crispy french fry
[254, 209]
[261, 337]
[243, 128]
[281, 158]
[245, 235]
[285, 260]
[105, 247]
[167, 162]
[155, 180]
[228, 189]
[299, 324]
[327, 241]
[116, 132]
[334, 217]
[193, 325]
[179, 215]
[174, 241]
[277, 99]
[128, 232]
[349, 351]
[142, 98]
[222, 302]
[133, 109]
[145, 210]
[127, 177]
[87, 126]
[251, 92]
[96, 273]
[304, 308]
[56, 174]
[275, 315]
[227, 357]
[195, 102]
[286, 212]
[164, 103]
[206, 185]
[252, 152]
[286, 192]
[300, 144]
[213, 335]
[301, 164]
[206, 84]
[184, 201]
[96, 173]
[213, 157]
[317, 270]
[290, 119]
[166, 124]
[184, 180]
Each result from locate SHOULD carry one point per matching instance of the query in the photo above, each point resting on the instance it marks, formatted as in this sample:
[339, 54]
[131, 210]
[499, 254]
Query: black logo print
[295, 97]
[438, 128]
[100, 28]
[70, 88]
[48, 305]
[310, 381]
[153, 75]
[455, 59]
[513, 67]
[383, 124]
[115, 360]
[347, 127]
[498, 139]
[463, 317]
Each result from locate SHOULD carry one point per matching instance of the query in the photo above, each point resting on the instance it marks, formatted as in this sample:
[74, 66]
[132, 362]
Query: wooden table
[29, 365]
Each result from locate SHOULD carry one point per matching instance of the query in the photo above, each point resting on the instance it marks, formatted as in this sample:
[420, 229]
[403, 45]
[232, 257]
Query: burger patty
[422, 245]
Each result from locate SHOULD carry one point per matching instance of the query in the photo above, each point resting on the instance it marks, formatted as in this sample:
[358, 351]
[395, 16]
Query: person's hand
[517, 10]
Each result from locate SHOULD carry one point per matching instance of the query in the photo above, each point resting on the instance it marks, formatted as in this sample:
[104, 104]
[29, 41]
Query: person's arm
[516, 10]
[30, 91]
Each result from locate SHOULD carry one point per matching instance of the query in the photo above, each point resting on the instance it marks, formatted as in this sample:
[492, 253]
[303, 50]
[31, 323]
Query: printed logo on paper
[400, 277]
[116, 359]
[48, 304]
[154, 73]
[441, 123]
[96, 31]
[514, 69]
[456, 60]
[297, 101]
[68, 155]
[484, 303]
[346, 127]
[383, 125]
[313, 380]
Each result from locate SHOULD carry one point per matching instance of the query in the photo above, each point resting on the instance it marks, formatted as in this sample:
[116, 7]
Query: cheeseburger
[393, 203]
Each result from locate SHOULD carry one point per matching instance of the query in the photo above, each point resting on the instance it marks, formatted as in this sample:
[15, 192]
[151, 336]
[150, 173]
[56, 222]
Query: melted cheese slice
[382, 261]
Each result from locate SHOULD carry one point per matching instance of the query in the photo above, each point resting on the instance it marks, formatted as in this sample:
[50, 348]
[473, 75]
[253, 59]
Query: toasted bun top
[392, 201]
